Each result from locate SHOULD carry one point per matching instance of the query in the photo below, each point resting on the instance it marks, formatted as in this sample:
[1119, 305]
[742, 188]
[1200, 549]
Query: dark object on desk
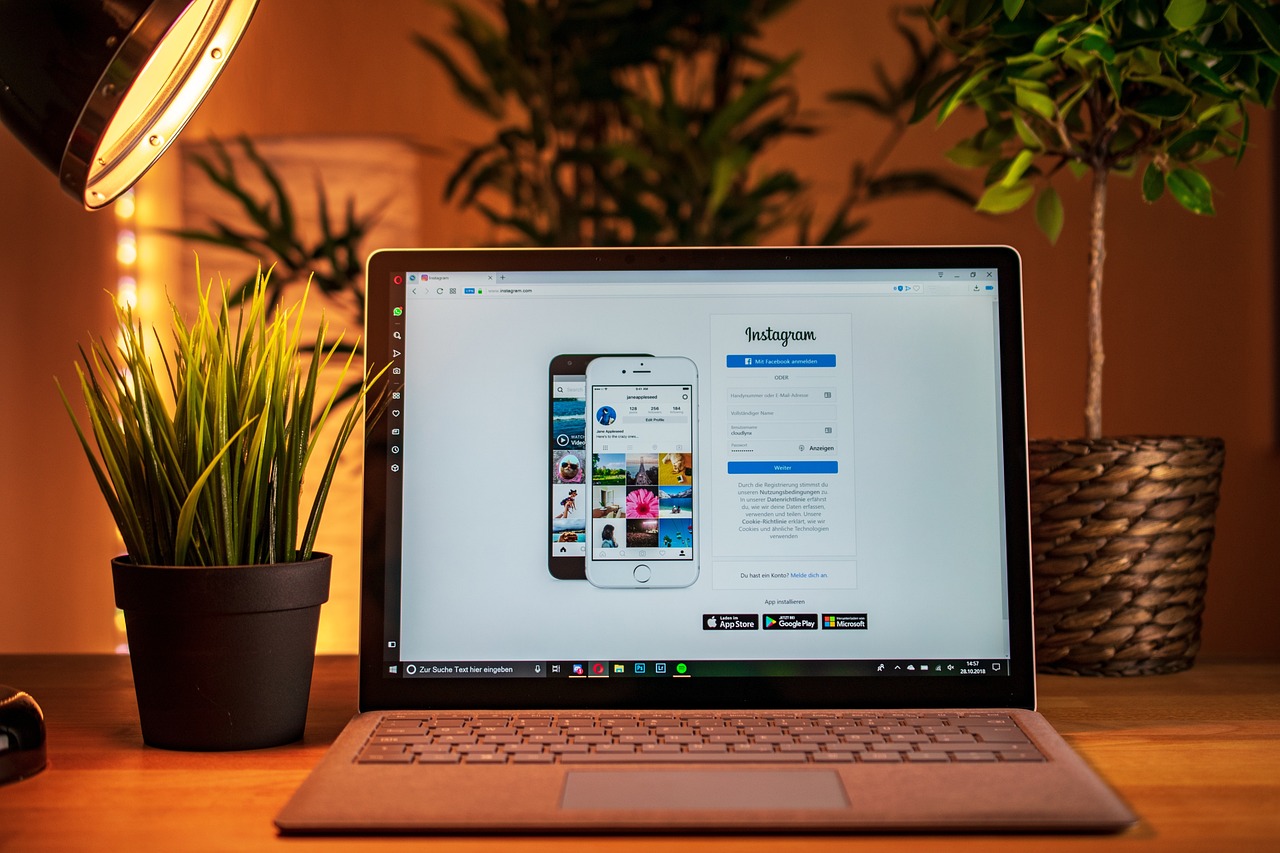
[222, 657]
[22, 751]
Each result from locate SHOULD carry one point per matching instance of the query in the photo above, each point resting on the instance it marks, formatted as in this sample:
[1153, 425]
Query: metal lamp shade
[97, 89]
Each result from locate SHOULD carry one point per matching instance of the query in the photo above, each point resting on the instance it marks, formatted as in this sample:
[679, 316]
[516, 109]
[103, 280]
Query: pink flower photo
[642, 503]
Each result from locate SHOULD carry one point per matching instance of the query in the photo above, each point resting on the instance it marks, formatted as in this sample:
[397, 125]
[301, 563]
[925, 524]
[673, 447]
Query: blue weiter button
[824, 466]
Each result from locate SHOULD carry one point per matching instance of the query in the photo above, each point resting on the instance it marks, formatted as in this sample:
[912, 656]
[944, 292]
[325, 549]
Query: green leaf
[1152, 183]
[1048, 42]
[1037, 103]
[1001, 199]
[1192, 190]
[1026, 134]
[1012, 8]
[1017, 168]
[1098, 45]
[187, 516]
[1049, 213]
[956, 98]
[1184, 14]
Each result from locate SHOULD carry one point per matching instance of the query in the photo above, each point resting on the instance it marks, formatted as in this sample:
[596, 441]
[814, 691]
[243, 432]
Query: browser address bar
[614, 289]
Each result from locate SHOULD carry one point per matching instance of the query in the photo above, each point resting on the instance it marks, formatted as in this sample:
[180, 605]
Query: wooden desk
[1155, 739]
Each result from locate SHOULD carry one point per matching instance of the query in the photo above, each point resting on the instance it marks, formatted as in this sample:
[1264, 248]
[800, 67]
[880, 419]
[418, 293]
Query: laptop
[724, 540]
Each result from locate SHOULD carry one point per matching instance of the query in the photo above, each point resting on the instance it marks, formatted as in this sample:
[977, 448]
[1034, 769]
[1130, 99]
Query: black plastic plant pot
[222, 657]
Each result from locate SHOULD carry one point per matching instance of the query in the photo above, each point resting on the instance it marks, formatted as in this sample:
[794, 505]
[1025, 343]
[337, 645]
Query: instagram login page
[848, 501]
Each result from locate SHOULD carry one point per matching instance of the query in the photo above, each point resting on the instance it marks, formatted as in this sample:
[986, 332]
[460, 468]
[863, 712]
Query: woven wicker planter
[1121, 531]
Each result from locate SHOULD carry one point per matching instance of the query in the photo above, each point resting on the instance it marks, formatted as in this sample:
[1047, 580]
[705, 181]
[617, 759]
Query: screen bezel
[382, 510]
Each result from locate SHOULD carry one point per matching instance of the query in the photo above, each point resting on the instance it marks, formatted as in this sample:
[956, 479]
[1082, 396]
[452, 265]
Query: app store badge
[730, 621]
[790, 621]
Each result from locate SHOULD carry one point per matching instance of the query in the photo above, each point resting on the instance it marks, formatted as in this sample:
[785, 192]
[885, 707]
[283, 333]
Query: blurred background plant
[891, 103]
[625, 122]
[269, 232]
[640, 123]
[622, 123]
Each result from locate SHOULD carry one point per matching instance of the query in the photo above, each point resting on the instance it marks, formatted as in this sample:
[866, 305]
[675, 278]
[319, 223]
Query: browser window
[827, 404]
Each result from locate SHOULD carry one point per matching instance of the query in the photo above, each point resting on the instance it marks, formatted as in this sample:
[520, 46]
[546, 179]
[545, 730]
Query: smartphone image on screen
[642, 450]
[568, 511]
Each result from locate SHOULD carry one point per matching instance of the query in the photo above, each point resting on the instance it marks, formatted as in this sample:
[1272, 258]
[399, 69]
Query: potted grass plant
[200, 453]
[1122, 526]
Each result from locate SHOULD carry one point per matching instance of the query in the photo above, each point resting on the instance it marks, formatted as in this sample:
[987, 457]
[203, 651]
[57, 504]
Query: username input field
[786, 431]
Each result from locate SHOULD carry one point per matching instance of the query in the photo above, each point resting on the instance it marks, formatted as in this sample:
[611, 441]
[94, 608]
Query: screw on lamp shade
[98, 89]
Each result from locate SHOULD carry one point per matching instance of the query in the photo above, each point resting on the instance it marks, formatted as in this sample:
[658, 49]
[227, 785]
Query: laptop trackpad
[704, 789]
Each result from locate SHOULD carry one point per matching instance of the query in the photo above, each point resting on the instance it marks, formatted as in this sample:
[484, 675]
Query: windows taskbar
[904, 667]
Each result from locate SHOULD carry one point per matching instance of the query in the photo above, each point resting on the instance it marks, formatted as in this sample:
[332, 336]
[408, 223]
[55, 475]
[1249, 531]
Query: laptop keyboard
[885, 738]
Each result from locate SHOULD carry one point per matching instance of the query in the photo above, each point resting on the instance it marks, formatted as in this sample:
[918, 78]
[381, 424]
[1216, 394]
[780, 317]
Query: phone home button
[642, 573]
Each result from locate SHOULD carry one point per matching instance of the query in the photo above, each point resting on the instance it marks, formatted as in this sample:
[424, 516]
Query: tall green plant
[628, 122]
[201, 459]
[1102, 87]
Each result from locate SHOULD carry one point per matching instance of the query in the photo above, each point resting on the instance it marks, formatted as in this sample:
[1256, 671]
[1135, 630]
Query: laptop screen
[613, 475]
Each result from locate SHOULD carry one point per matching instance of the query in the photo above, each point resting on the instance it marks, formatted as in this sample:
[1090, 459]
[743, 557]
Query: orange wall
[1190, 302]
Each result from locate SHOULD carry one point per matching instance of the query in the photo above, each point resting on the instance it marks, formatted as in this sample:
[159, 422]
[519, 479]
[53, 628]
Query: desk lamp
[98, 89]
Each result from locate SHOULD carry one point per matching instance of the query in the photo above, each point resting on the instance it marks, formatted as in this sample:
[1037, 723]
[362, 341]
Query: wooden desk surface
[1196, 754]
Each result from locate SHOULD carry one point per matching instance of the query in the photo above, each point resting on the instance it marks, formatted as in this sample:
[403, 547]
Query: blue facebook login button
[775, 361]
